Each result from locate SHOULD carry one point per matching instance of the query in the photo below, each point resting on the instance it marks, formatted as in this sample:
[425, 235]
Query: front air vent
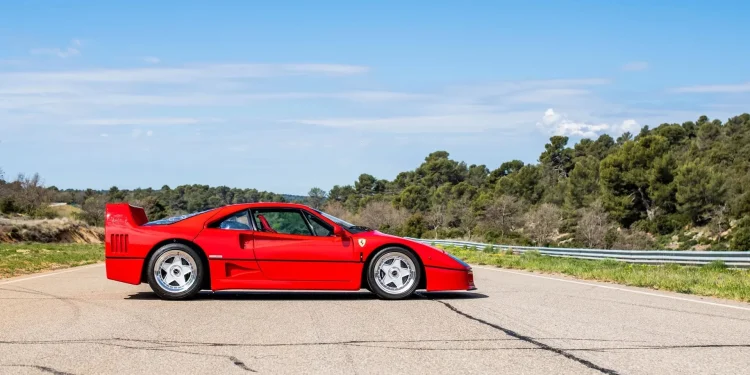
[119, 243]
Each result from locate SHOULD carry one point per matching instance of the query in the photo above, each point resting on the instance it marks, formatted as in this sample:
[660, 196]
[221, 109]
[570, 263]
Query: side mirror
[339, 231]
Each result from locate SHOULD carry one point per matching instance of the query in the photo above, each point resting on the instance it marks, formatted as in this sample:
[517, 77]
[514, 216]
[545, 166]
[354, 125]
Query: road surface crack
[46, 369]
[531, 340]
[240, 364]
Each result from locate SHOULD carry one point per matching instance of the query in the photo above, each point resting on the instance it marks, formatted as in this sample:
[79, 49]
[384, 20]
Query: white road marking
[615, 288]
[74, 269]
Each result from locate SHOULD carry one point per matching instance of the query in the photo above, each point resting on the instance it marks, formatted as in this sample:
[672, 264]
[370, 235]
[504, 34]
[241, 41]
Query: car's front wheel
[394, 273]
[175, 271]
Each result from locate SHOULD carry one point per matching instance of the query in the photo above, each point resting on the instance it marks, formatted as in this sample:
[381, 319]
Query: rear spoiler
[123, 214]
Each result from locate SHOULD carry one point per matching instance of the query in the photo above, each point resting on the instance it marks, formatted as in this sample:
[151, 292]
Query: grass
[66, 211]
[23, 258]
[714, 280]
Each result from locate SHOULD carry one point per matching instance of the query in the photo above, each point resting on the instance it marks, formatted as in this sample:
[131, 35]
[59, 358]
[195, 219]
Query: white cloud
[558, 124]
[105, 135]
[635, 66]
[185, 74]
[629, 125]
[147, 97]
[725, 89]
[550, 117]
[38, 96]
[470, 109]
[142, 121]
[73, 49]
[151, 60]
[149, 133]
[38, 89]
[445, 123]
[375, 96]
[331, 69]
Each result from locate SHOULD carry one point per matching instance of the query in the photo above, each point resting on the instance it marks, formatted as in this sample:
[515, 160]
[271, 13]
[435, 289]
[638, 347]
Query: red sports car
[270, 246]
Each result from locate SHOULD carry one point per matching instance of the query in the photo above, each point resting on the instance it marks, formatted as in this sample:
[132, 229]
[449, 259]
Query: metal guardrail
[734, 259]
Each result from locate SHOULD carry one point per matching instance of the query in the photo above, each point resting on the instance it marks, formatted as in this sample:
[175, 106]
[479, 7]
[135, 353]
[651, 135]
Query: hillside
[674, 186]
[46, 230]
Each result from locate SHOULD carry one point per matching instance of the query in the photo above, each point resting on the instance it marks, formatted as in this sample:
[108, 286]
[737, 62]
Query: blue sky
[284, 96]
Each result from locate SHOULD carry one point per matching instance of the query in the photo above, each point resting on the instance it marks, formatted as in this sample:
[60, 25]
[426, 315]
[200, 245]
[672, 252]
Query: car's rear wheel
[394, 273]
[175, 271]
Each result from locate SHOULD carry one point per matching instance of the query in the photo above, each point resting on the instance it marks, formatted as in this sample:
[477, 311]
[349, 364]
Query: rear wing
[124, 215]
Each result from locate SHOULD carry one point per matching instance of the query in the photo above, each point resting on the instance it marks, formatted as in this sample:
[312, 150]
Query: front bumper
[444, 279]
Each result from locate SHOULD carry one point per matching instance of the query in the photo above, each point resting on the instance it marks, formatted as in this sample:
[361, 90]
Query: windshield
[347, 225]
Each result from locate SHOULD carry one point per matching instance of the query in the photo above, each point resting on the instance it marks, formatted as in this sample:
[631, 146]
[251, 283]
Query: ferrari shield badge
[362, 242]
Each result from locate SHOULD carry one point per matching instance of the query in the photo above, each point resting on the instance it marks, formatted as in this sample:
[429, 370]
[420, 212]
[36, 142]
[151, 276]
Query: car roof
[267, 205]
[220, 212]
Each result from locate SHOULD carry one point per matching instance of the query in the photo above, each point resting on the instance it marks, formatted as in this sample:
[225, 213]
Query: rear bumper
[126, 270]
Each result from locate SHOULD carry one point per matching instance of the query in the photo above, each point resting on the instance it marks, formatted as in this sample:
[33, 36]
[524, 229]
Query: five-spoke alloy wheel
[394, 273]
[175, 272]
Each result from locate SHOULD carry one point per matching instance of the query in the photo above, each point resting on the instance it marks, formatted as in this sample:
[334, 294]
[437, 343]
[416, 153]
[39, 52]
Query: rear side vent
[119, 243]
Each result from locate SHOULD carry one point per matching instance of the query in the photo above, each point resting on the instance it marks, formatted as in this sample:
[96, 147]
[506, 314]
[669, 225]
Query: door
[296, 245]
[228, 244]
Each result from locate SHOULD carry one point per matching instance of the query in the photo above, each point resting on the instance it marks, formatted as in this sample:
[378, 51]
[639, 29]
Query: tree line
[636, 191]
[27, 195]
[675, 185]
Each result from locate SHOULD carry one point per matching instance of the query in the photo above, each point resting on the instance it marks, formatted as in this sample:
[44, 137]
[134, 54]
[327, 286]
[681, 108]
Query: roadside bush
[510, 238]
[490, 250]
[741, 238]
[715, 266]
[415, 226]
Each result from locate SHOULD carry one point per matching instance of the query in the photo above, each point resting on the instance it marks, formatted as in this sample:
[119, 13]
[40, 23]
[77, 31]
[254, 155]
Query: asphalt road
[77, 322]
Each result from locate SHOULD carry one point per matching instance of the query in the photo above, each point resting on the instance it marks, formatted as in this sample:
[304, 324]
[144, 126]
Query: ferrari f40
[270, 246]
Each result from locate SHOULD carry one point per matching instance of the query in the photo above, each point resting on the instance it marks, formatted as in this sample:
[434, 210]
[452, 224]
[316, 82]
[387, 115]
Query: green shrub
[741, 238]
[715, 265]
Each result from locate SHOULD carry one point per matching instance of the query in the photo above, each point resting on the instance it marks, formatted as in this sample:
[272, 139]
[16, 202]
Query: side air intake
[119, 244]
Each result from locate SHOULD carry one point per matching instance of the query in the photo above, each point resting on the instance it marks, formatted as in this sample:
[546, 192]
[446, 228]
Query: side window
[281, 221]
[319, 227]
[238, 221]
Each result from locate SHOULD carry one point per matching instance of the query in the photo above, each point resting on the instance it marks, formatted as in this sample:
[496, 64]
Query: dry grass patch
[49, 230]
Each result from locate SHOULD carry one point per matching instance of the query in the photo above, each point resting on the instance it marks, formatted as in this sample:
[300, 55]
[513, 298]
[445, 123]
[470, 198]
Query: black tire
[406, 258]
[187, 255]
